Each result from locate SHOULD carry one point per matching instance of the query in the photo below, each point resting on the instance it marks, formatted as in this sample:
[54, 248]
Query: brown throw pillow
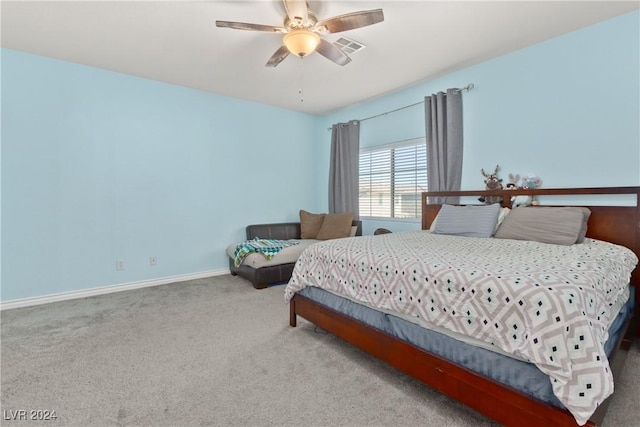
[310, 224]
[335, 226]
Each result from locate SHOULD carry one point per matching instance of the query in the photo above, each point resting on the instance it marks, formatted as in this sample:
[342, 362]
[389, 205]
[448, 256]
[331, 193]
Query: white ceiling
[177, 42]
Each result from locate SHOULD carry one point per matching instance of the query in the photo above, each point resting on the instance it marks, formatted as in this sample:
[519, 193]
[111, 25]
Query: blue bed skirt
[522, 376]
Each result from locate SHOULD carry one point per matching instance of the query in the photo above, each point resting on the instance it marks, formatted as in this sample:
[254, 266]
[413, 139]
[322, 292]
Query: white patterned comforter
[545, 303]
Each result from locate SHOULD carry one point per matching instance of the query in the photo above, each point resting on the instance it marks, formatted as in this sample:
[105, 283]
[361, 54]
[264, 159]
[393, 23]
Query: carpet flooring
[214, 352]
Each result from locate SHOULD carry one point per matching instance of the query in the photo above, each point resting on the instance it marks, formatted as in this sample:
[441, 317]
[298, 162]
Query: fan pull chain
[301, 88]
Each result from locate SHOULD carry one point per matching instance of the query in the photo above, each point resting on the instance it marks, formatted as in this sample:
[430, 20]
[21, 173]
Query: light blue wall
[99, 166]
[566, 109]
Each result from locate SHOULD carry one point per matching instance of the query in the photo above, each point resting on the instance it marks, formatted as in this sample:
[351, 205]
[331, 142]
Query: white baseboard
[26, 302]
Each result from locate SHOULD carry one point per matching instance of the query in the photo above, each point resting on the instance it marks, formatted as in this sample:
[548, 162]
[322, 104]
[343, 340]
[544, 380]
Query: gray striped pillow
[555, 225]
[470, 221]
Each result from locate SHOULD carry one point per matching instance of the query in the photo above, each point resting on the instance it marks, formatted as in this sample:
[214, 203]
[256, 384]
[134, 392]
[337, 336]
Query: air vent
[348, 46]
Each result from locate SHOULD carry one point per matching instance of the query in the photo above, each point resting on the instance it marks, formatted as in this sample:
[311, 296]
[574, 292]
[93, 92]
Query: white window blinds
[392, 178]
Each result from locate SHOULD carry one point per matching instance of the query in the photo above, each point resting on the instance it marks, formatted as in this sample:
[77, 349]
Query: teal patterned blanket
[267, 247]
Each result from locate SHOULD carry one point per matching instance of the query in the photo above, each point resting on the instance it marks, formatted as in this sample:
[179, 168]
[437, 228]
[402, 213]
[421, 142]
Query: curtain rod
[467, 88]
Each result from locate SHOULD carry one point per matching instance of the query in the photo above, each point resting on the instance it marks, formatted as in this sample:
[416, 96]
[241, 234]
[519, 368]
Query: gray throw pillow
[470, 221]
[586, 213]
[559, 226]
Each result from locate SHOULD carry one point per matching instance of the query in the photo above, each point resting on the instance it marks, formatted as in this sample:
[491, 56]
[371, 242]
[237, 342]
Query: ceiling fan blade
[297, 10]
[278, 57]
[331, 52]
[351, 21]
[250, 27]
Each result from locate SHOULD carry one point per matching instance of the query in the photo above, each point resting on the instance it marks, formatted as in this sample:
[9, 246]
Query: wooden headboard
[615, 224]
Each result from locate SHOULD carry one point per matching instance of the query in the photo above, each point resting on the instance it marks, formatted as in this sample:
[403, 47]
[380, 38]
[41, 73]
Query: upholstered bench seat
[260, 271]
[287, 255]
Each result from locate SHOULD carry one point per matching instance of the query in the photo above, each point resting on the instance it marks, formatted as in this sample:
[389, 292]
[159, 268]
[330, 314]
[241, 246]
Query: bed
[502, 378]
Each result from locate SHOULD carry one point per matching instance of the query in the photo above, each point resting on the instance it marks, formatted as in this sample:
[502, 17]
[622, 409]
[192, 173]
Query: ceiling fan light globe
[301, 42]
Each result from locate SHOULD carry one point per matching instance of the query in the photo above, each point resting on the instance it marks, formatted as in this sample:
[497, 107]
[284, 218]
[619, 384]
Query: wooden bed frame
[510, 407]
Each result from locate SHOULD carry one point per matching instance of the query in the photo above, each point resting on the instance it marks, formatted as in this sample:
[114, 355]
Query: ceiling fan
[302, 31]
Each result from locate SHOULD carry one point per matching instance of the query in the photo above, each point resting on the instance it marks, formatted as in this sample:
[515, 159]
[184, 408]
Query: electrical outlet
[119, 264]
[153, 260]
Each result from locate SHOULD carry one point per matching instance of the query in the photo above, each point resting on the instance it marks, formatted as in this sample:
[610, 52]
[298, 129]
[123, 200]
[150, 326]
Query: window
[392, 178]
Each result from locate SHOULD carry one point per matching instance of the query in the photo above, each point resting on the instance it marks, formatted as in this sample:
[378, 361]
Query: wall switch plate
[119, 264]
[153, 260]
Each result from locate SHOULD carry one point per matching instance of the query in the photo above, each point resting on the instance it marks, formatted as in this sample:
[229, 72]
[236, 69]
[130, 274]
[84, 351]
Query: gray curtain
[343, 170]
[443, 120]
